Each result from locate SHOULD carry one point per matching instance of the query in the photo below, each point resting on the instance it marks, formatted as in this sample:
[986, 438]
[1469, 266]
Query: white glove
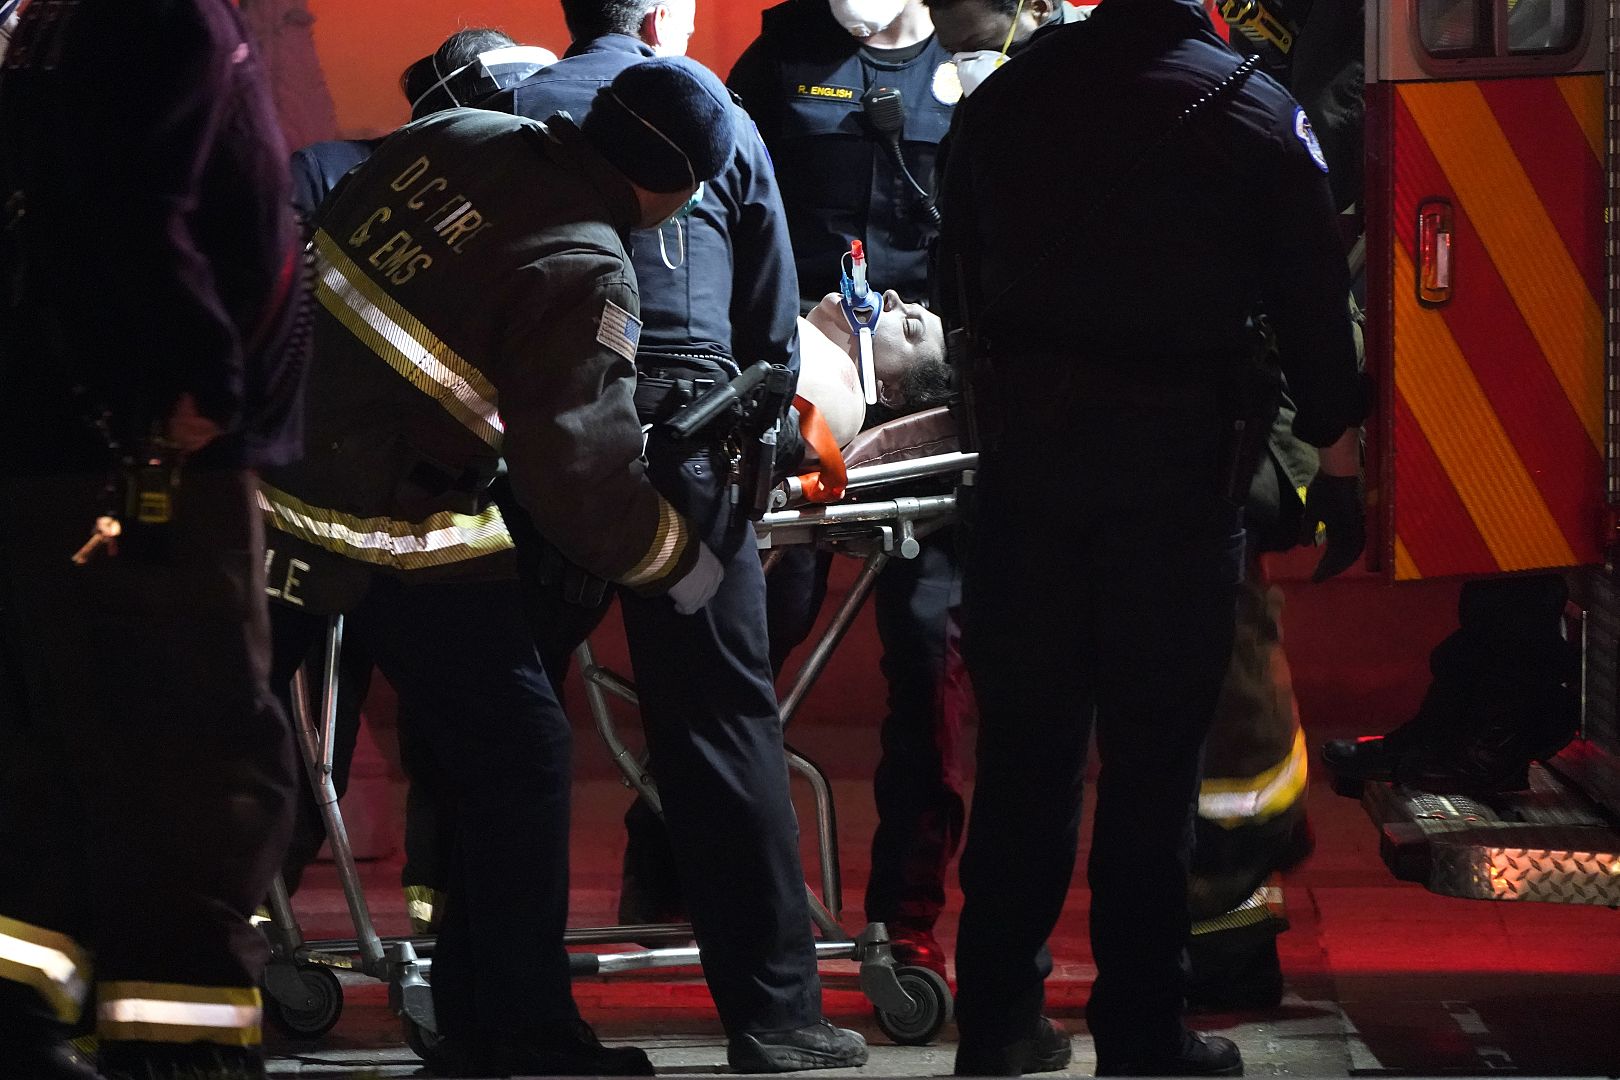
[700, 583]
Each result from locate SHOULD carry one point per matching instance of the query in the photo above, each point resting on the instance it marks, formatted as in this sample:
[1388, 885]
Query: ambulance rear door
[1486, 293]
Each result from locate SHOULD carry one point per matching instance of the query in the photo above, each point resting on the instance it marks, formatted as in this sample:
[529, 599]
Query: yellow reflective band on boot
[52, 963]
[1263, 905]
[178, 1013]
[402, 342]
[442, 539]
[1231, 803]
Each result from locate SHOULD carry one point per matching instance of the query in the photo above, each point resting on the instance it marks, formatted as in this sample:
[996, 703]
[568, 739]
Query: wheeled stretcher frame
[303, 996]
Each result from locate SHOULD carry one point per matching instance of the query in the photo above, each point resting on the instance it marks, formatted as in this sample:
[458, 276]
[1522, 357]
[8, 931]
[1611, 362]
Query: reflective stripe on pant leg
[1251, 800]
[423, 904]
[178, 1013]
[52, 963]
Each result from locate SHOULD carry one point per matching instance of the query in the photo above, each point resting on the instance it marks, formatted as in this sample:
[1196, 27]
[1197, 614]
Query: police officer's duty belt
[661, 393]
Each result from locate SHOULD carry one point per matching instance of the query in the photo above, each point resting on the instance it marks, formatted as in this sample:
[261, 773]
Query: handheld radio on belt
[756, 401]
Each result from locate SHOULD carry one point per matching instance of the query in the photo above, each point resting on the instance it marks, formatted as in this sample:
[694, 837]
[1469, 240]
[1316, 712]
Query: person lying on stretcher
[908, 353]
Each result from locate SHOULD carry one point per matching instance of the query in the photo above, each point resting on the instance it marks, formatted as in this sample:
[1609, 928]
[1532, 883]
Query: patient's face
[907, 336]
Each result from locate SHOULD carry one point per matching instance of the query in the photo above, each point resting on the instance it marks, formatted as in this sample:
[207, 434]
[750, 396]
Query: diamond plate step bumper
[1551, 843]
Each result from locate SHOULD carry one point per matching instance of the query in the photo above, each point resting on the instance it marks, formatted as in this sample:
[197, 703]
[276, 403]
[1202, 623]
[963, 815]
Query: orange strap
[826, 484]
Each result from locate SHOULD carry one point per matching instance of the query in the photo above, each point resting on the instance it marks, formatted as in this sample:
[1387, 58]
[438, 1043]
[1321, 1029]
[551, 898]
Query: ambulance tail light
[1434, 252]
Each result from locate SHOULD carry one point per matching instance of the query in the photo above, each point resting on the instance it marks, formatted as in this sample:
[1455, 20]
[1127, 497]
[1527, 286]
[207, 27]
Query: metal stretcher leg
[318, 758]
[828, 643]
[303, 995]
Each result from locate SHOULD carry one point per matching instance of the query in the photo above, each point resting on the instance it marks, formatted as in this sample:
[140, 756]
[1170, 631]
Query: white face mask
[972, 68]
[678, 219]
[863, 18]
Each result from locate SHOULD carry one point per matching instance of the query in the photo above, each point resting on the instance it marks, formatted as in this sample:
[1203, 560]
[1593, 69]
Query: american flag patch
[620, 330]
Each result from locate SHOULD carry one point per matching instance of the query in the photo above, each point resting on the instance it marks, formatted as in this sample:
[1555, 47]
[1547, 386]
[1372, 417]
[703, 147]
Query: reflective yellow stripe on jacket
[1252, 800]
[178, 1013]
[402, 342]
[442, 539]
[51, 963]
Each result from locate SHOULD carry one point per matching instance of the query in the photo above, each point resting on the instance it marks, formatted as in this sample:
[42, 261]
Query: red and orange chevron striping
[1498, 394]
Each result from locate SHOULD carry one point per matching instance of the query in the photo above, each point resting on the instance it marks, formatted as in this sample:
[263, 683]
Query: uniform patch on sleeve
[760, 139]
[620, 330]
[946, 84]
[1307, 136]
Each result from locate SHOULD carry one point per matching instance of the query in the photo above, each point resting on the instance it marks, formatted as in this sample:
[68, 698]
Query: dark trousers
[463, 662]
[918, 784]
[1101, 585]
[715, 745]
[430, 817]
[146, 773]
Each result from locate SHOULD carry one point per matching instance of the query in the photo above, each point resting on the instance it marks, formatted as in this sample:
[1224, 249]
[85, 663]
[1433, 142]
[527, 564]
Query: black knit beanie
[664, 123]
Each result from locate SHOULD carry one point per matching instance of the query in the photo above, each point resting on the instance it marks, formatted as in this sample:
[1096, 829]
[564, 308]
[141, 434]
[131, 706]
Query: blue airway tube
[862, 309]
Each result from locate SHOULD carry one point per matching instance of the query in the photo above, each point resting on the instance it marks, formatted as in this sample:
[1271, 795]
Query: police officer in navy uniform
[718, 292]
[1106, 543]
[806, 80]
[479, 308]
[149, 270]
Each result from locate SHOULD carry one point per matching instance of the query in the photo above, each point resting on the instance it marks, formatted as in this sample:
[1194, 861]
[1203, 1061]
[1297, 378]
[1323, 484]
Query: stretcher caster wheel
[434, 1050]
[320, 1009]
[929, 1011]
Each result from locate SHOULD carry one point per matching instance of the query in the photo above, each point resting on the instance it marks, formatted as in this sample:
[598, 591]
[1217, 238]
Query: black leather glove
[790, 447]
[1338, 504]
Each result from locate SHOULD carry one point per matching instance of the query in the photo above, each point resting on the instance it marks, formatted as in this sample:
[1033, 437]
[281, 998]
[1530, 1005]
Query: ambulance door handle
[1434, 230]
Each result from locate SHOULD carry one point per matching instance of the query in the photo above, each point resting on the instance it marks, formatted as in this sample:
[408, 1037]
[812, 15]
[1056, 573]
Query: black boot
[130, 1060]
[1440, 723]
[1046, 1049]
[28, 1059]
[814, 1046]
[1197, 1055]
[33, 1042]
[565, 1049]
[1523, 702]
[1504, 693]
[1519, 725]
[1235, 969]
